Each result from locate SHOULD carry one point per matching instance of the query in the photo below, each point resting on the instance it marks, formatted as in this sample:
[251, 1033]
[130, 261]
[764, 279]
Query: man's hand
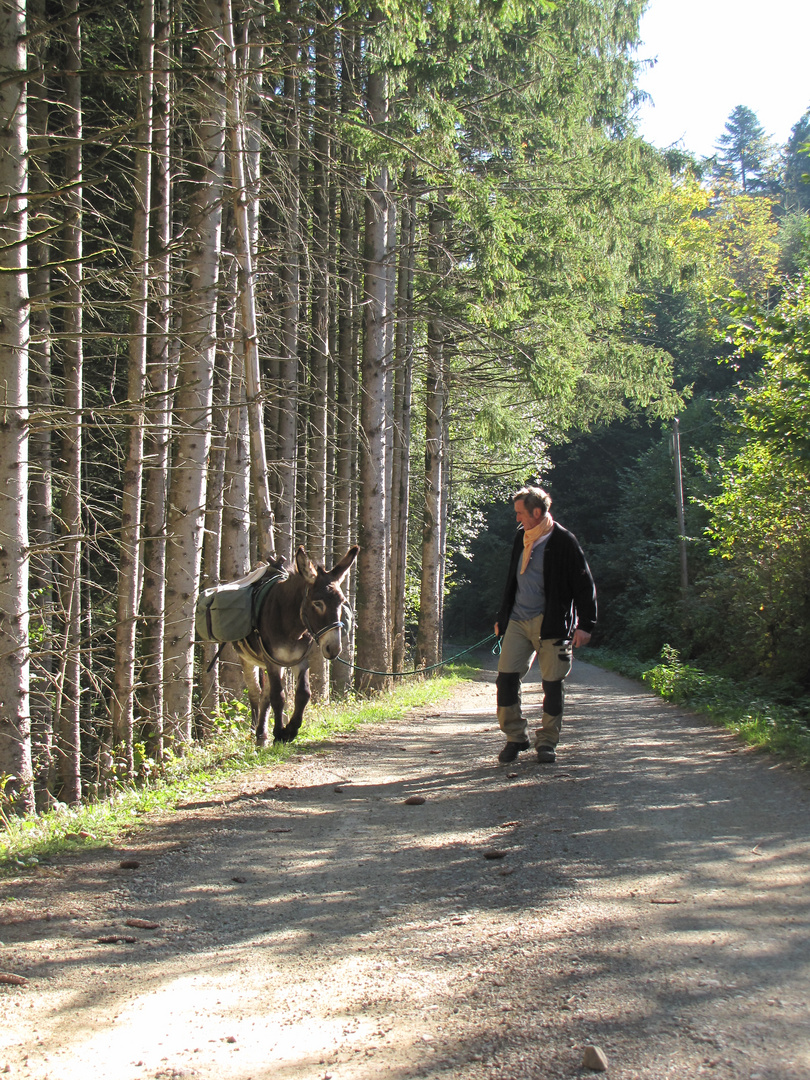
[496, 630]
[581, 637]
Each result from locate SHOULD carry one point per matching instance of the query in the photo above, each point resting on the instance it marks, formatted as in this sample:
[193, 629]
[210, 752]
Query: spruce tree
[746, 152]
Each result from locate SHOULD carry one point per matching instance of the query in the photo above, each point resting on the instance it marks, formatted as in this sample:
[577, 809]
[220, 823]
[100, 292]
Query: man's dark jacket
[569, 585]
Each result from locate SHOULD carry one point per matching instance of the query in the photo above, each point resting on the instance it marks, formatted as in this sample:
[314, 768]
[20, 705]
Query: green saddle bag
[228, 612]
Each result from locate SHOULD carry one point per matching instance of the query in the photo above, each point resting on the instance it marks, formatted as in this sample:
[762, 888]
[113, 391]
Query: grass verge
[779, 727]
[26, 842]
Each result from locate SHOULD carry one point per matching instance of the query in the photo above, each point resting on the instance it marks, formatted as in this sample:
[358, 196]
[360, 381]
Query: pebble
[594, 1059]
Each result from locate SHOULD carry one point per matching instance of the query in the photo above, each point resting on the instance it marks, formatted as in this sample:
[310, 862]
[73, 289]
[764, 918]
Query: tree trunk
[400, 483]
[68, 696]
[390, 308]
[243, 218]
[428, 638]
[212, 545]
[15, 719]
[160, 379]
[287, 392]
[40, 490]
[348, 271]
[445, 494]
[372, 614]
[193, 398]
[319, 342]
[235, 553]
[129, 575]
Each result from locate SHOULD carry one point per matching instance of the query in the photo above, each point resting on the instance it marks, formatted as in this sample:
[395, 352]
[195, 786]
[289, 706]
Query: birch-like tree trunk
[70, 585]
[403, 392]
[285, 478]
[428, 637]
[319, 341]
[15, 719]
[215, 492]
[40, 485]
[390, 330]
[235, 547]
[446, 490]
[246, 294]
[372, 614]
[300, 525]
[122, 704]
[193, 397]
[348, 272]
[160, 379]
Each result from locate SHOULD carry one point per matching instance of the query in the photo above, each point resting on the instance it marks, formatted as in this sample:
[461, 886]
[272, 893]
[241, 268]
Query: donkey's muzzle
[331, 643]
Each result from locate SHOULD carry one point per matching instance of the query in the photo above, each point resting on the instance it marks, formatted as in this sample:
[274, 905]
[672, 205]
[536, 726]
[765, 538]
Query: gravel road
[647, 895]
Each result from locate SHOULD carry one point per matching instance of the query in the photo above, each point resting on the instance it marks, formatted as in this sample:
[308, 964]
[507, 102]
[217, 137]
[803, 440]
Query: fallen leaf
[142, 924]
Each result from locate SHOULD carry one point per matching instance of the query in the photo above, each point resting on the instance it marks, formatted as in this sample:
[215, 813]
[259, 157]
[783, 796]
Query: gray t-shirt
[530, 599]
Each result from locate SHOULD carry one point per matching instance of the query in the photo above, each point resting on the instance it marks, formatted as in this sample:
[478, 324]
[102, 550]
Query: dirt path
[652, 899]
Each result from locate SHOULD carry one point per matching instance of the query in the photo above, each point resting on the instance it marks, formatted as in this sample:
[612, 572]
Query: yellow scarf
[531, 536]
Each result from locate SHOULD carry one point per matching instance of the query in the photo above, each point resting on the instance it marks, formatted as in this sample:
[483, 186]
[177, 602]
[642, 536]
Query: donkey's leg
[262, 738]
[302, 696]
[275, 679]
[253, 682]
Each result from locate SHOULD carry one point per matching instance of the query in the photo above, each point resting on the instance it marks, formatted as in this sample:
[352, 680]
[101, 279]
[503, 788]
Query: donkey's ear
[341, 569]
[305, 566]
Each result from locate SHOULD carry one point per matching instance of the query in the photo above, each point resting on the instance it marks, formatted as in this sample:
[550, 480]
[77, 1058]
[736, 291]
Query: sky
[713, 55]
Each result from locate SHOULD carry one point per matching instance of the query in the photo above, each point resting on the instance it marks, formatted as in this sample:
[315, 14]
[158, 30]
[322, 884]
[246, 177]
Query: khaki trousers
[519, 646]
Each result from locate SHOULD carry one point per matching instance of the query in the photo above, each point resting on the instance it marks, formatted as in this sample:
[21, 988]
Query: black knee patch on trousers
[507, 687]
[553, 697]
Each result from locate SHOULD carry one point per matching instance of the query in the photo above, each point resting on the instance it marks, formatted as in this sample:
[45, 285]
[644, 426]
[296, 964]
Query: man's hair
[533, 498]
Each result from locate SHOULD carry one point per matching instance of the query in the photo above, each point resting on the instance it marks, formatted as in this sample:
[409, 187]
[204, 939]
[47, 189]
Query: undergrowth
[759, 719]
[229, 749]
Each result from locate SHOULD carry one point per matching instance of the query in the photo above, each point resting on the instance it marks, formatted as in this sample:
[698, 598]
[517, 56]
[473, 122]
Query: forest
[318, 274]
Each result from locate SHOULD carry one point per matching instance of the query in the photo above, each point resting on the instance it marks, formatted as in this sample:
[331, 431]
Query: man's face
[528, 519]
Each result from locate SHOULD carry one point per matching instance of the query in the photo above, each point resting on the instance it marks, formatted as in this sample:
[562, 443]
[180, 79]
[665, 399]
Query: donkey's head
[323, 600]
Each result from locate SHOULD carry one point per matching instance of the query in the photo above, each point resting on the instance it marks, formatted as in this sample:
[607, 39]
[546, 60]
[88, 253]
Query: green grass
[776, 726]
[26, 842]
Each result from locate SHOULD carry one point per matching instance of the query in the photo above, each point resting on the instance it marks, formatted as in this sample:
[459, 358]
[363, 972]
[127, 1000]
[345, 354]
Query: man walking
[548, 609]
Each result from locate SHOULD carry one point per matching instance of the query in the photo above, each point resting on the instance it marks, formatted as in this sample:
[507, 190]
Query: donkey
[302, 610]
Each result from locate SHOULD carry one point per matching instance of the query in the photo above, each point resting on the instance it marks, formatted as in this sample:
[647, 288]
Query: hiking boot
[511, 751]
[546, 754]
